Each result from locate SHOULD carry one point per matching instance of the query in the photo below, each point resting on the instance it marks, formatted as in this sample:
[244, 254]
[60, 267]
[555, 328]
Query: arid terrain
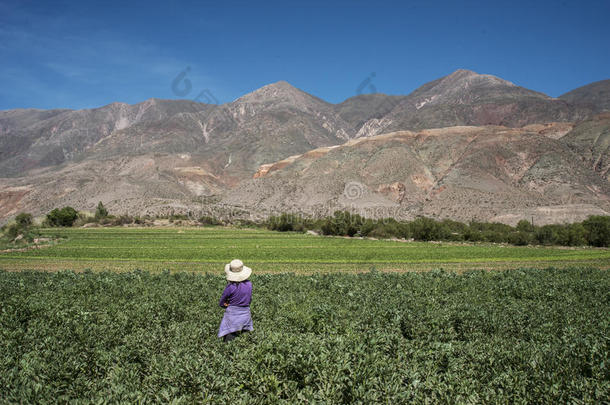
[465, 146]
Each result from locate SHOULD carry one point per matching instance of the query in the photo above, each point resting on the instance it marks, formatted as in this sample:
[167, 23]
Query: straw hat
[236, 271]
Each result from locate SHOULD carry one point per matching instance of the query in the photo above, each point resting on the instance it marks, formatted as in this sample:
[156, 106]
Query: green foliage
[572, 235]
[23, 220]
[207, 220]
[342, 223]
[520, 238]
[21, 231]
[12, 231]
[62, 217]
[100, 211]
[286, 223]
[525, 226]
[427, 229]
[386, 228]
[598, 230]
[454, 230]
[521, 336]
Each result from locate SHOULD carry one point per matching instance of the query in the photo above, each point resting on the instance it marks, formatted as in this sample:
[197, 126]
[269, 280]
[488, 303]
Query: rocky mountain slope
[591, 140]
[33, 139]
[487, 173]
[467, 98]
[595, 96]
[163, 155]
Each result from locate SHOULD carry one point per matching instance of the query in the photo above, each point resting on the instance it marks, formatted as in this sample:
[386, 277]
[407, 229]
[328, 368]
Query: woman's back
[237, 294]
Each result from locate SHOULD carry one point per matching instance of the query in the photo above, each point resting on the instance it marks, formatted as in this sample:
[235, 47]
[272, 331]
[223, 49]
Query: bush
[342, 223]
[520, 238]
[525, 226]
[382, 230]
[454, 227]
[207, 220]
[493, 236]
[367, 227]
[62, 217]
[403, 230]
[575, 235]
[286, 223]
[598, 230]
[12, 231]
[473, 235]
[100, 211]
[548, 234]
[23, 220]
[427, 229]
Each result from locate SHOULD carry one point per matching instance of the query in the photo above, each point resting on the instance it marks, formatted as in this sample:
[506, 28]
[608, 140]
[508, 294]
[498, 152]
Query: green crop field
[121, 335]
[506, 337]
[207, 249]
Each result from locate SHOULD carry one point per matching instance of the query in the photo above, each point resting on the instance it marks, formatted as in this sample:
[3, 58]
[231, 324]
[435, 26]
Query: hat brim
[237, 276]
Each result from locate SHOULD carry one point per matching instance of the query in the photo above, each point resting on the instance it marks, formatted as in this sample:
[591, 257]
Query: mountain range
[465, 146]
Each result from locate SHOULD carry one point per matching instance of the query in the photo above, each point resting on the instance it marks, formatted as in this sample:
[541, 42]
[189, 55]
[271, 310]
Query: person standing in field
[235, 300]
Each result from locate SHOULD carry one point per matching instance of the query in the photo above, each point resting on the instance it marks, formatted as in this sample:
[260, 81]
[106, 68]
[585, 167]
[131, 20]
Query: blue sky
[82, 54]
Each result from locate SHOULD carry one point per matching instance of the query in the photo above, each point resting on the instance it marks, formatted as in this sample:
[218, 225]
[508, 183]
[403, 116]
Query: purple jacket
[237, 294]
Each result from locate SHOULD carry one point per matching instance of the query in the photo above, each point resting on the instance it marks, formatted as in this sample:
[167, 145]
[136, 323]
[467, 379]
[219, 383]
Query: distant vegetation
[100, 212]
[61, 217]
[595, 231]
[20, 230]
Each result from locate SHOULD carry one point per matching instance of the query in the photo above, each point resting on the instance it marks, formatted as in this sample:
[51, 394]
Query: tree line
[594, 231]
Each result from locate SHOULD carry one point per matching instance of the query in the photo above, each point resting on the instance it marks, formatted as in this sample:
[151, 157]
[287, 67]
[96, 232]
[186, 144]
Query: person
[235, 300]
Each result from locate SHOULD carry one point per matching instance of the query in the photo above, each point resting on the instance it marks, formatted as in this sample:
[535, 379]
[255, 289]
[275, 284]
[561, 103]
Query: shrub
[597, 230]
[342, 223]
[548, 234]
[525, 226]
[403, 230]
[23, 220]
[520, 238]
[62, 217]
[454, 227]
[427, 229]
[286, 223]
[367, 227]
[207, 220]
[381, 230]
[494, 236]
[12, 231]
[100, 211]
[474, 235]
[576, 235]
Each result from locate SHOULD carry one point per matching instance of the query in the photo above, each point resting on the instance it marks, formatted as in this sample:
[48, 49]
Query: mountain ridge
[171, 152]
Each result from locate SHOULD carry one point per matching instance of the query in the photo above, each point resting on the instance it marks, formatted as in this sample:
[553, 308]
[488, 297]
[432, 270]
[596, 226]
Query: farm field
[208, 249]
[520, 336]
